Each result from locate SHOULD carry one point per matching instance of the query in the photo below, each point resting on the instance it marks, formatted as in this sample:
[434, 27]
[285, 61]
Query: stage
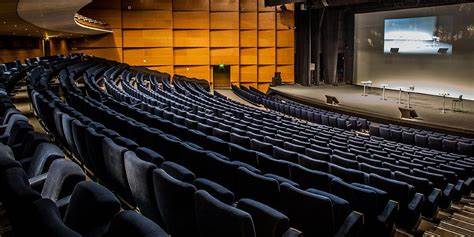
[375, 109]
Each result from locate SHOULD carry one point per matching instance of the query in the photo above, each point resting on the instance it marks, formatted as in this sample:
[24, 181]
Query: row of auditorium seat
[419, 137]
[272, 165]
[45, 194]
[301, 111]
[167, 196]
[175, 221]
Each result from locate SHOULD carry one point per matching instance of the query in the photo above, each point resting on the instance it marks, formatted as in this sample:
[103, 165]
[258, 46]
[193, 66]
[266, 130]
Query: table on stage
[408, 90]
[383, 90]
[444, 94]
[366, 84]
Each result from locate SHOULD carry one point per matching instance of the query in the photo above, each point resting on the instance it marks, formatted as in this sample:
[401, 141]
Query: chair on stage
[459, 101]
[331, 100]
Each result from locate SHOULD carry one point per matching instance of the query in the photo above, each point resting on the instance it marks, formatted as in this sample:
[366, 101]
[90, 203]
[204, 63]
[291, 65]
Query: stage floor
[351, 100]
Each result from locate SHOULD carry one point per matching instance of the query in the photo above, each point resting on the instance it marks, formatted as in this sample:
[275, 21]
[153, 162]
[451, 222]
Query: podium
[408, 113]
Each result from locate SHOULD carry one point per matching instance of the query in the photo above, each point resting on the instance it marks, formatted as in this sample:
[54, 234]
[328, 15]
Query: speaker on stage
[408, 113]
[443, 51]
[331, 100]
[276, 80]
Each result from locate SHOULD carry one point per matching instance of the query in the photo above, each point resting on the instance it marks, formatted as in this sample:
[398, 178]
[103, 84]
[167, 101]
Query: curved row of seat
[117, 166]
[412, 136]
[398, 176]
[249, 151]
[312, 114]
[45, 194]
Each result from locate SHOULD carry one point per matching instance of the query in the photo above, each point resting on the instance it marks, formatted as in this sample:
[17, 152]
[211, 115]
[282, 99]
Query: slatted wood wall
[188, 37]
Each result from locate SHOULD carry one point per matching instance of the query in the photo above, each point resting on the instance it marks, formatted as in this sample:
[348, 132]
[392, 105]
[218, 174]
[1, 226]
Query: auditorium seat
[130, 223]
[258, 187]
[425, 187]
[410, 203]
[215, 218]
[139, 176]
[90, 209]
[313, 214]
[175, 200]
[378, 221]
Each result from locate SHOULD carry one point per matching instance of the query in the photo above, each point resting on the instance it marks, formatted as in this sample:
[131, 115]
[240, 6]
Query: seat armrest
[416, 203]
[448, 191]
[292, 233]
[352, 225]
[26, 162]
[387, 217]
[435, 196]
[469, 183]
[63, 204]
[3, 128]
[38, 181]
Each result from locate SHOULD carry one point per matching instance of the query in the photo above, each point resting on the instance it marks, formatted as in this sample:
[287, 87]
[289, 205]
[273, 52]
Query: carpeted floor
[428, 107]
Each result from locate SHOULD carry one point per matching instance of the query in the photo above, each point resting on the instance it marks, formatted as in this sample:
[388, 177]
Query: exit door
[221, 76]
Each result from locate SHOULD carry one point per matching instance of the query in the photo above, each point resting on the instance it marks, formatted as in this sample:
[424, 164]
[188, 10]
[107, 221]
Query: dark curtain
[302, 42]
[316, 15]
[348, 46]
[330, 45]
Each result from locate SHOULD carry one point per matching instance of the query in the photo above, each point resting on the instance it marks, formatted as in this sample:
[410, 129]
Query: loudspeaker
[408, 113]
[331, 100]
[276, 80]
[443, 51]
[394, 50]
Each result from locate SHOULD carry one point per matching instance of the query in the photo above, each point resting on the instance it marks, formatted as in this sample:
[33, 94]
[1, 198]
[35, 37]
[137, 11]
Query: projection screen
[429, 48]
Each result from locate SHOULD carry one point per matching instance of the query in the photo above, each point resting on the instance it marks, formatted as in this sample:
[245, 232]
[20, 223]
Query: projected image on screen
[419, 35]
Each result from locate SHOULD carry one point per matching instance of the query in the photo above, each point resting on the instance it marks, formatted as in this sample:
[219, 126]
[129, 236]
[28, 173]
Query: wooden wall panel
[266, 38]
[248, 5]
[190, 5]
[248, 38]
[168, 69]
[8, 55]
[283, 21]
[248, 73]
[266, 20]
[285, 38]
[261, 6]
[114, 54]
[202, 72]
[147, 4]
[191, 56]
[113, 17]
[225, 38]
[266, 56]
[224, 5]
[228, 56]
[287, 73]
[224, 20]
[248, 56]
[265, 73]
[263, 87]
[147, 38]
[191, 20]
[99, 41]
[148, 57]
[285, 56]
[234, 74]
[191, 38]
[147, 19]
[248, 20]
